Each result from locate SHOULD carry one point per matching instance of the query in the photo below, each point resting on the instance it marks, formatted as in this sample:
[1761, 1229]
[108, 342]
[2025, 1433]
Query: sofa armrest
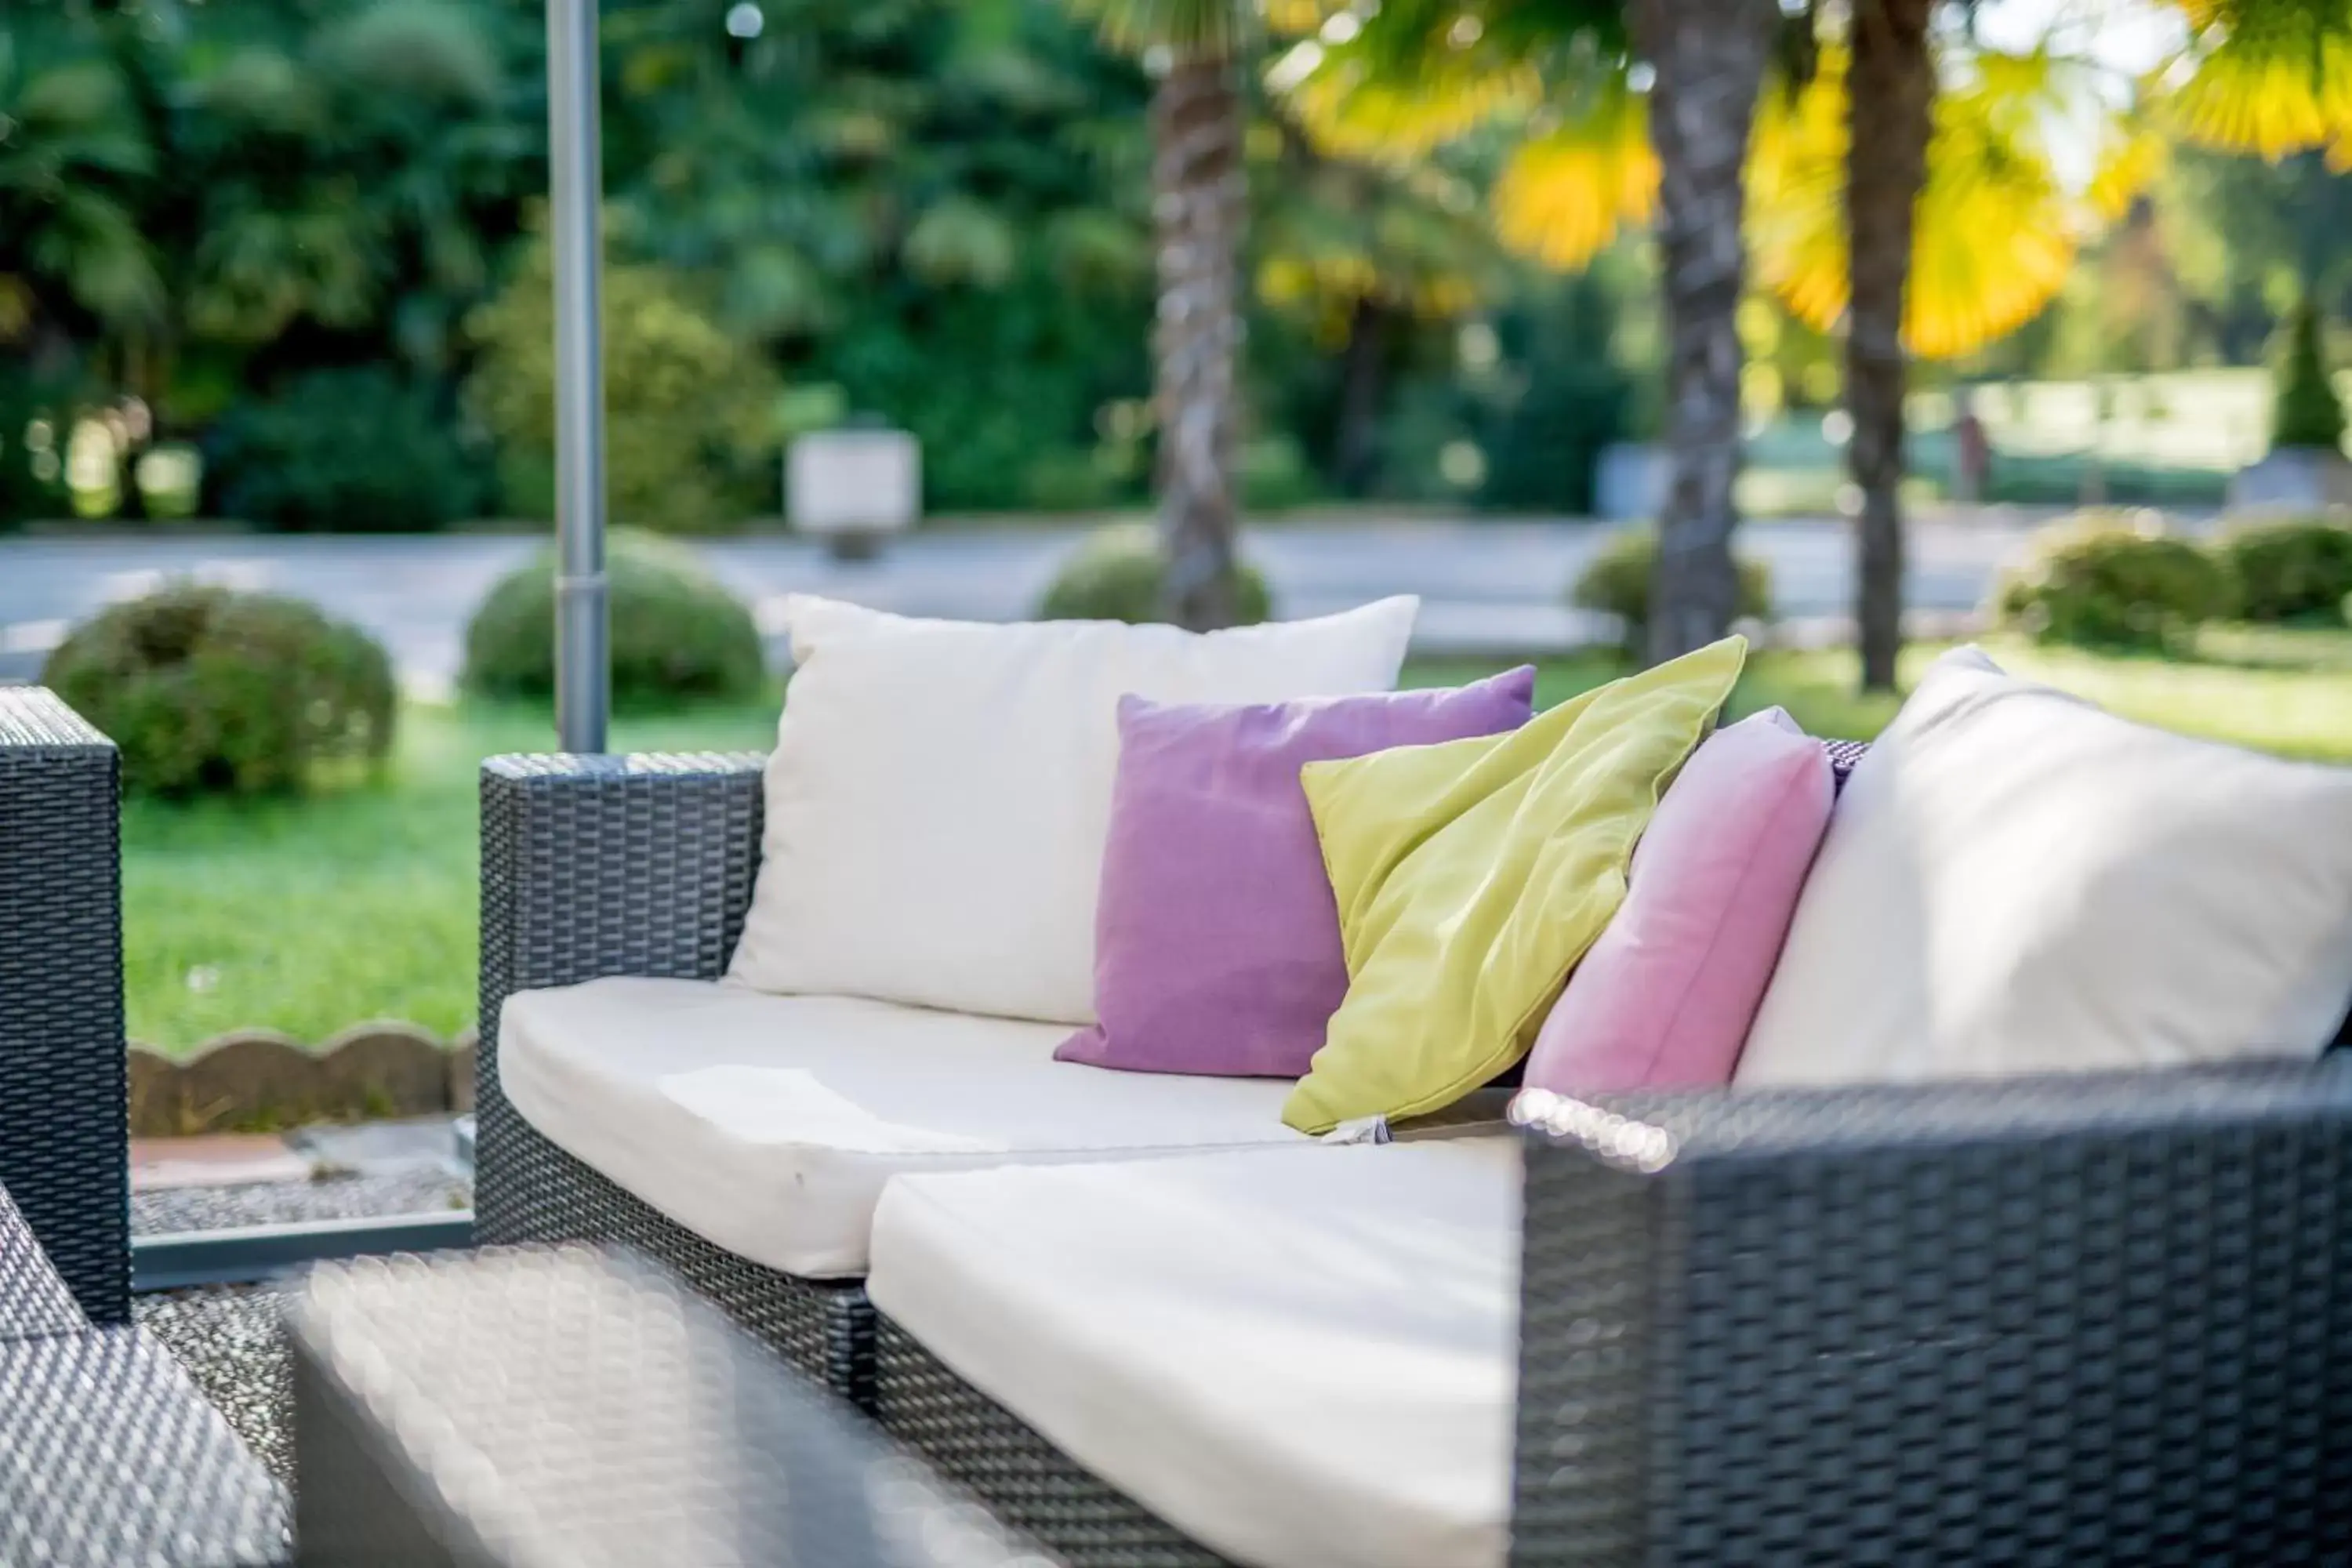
[2090, 1320]
[63, 1098]
[627, 865]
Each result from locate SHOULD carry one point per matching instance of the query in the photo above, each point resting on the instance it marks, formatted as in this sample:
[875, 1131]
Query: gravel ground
[229, 1338]
[282, 1202]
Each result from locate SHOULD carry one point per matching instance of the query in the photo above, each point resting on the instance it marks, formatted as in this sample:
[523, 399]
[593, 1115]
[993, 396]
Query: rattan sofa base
[824, 1327]
[1021, 1478]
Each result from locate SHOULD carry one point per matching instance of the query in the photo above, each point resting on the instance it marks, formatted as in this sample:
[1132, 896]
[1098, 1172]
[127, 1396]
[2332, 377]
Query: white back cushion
[2016, 882]
[940, 790]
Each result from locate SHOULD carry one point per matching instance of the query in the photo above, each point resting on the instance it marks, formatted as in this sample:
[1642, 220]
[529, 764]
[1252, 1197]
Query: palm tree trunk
[1890, 108]
[1710, 58]
[1199, 192]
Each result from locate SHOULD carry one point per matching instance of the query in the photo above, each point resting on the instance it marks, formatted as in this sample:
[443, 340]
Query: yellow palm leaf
[2267, 76]
[1994, 233]
[1354, 114]
[1564, 195]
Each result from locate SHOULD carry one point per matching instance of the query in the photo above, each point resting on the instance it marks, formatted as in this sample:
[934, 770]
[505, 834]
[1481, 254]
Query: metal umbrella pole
[575, 189]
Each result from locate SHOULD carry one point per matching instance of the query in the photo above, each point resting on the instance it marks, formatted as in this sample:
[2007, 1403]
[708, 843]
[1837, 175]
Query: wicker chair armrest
[623, 865]
[2082, 1320]
[64, 1114]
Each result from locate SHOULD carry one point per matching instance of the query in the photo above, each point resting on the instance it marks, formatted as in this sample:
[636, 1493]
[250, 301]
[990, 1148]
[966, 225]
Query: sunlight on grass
[362, 902]
[2276, 689]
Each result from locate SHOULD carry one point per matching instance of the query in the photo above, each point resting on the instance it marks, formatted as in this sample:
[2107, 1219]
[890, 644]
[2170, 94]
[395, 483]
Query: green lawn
[358, 903]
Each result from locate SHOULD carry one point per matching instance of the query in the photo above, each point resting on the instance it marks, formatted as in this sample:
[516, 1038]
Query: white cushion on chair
[768, 1124]
[1298, 1357]
[2015, 882]
[940, 793]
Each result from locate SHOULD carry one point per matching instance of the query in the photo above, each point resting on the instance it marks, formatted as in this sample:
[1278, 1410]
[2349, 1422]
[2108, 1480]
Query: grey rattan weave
[642, 865]
[2059, 1321]
[33, 1301]
[108, 1459]
[1023, 1478]
[64, 1099]
[541, 1405]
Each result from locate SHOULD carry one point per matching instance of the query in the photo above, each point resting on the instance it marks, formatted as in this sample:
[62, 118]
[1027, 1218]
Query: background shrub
[2104, 580]
[1617, 581]
[691, 427]
[676, 633]
[1114, 575]
[2290, 568]
[208, 690]
[351, 451]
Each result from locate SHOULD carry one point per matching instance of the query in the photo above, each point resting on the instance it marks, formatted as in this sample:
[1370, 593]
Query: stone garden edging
[261, 1080]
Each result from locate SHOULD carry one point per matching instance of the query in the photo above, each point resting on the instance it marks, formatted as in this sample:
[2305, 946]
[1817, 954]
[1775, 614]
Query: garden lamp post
[575, 195]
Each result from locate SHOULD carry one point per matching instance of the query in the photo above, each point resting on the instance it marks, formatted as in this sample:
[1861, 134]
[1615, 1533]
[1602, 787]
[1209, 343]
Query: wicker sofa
[2026, 1322]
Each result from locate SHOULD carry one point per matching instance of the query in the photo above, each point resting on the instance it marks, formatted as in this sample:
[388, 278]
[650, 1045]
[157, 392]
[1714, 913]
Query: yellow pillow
[1472, 876]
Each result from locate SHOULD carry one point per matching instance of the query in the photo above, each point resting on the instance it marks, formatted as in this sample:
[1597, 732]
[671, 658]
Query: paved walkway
[1488, 588]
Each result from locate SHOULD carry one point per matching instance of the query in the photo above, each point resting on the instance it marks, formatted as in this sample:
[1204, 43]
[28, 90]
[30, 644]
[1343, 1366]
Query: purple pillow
[1216, 939]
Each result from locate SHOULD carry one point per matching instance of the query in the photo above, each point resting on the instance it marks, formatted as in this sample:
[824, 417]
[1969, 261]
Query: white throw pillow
[2017, 881]
[940, 790]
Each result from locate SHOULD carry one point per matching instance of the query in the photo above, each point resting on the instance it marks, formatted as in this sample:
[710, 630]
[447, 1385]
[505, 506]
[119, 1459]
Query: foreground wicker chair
[64, 1099]
[108, 1454]
[2075, 1322]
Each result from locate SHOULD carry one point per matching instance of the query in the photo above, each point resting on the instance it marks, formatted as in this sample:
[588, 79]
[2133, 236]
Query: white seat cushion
[768, 1124]
[939, 794]
[1298, 1357]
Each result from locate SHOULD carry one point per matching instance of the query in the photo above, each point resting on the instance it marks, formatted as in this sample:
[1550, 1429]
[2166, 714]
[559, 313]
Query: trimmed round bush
[1116, 576]
[206, 690]
[2290, 568]
[1617, 581]
[678, 635]
[2107, 580]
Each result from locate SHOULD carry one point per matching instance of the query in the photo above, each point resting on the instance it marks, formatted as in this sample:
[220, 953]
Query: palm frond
[1996, 229]
[1564, 195]
[1186, 29]
[1353, 113]
[1391, 82]
[2266, 77]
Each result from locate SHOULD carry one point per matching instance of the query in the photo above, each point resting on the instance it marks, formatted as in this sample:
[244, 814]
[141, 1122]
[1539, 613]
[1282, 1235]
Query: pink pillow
[1665, 998]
